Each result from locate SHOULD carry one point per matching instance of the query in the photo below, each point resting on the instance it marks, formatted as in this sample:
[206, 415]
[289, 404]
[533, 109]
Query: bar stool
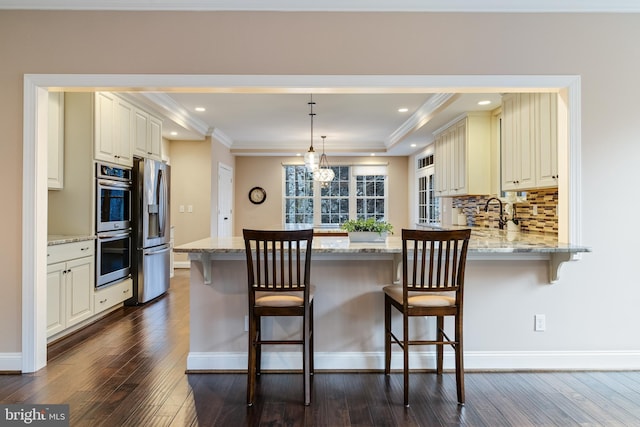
[279, 270]
[433, 266]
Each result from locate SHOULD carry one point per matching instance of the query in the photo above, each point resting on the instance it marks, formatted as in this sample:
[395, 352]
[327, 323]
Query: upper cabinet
[463, 156]
[123, 130]
[113, 129]
[148, 135]
[529, 143]
[55, 152]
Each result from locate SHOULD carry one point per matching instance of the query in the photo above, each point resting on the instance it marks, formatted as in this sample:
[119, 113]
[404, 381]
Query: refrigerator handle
[162, 202]
[156, 251]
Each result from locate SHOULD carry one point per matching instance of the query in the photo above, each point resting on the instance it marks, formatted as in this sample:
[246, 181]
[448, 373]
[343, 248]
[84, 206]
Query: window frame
[317, 197]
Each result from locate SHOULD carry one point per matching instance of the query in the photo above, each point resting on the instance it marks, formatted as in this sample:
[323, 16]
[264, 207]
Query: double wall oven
[113, 223]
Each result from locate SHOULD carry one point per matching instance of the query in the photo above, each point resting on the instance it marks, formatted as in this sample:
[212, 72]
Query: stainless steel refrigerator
[151, 230]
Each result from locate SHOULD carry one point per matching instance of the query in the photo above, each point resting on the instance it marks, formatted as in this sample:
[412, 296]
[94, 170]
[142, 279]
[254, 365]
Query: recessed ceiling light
[484, 102]
[414, 145]
[373, 154]
[200, 109]
[174, 133]
[403, 110]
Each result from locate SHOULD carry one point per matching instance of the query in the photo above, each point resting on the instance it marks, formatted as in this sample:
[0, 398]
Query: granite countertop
[60, 239]
[483, 241]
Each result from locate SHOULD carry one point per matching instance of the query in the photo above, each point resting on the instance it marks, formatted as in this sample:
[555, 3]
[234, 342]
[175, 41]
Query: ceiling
[280, 124]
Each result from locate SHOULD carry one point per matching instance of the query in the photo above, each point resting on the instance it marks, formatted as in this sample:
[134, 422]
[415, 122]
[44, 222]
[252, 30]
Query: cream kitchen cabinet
[55, 152]
[70, 285]
[112, 295]
[546, 116]
[529, 141]
[148, 135]
[114, 131]
[462, 156]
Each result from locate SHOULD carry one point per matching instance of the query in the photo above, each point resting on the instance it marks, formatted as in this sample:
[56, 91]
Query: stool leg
[405, 345]
[387, 335]
[251, 368]
[306, 362]
[459, 360]
[312, 337]
[258, 337]
[439, 347]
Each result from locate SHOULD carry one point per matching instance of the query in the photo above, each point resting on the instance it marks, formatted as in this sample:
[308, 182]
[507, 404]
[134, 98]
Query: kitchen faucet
[501, 219]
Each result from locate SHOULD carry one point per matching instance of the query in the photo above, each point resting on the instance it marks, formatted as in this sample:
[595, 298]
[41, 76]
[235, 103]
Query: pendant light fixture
[311, 159]
[323, 173]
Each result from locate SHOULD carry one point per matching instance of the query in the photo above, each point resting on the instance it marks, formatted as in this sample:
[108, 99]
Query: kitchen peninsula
[348, 298]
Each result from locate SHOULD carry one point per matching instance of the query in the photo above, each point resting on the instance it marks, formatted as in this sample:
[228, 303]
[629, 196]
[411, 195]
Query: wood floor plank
[128, 369]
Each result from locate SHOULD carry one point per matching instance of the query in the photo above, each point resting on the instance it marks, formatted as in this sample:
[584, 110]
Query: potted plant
[367, 230]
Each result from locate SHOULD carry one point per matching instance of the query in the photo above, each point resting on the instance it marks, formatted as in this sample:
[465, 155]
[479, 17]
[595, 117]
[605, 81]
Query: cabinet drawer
[112, 295]
[67, 251]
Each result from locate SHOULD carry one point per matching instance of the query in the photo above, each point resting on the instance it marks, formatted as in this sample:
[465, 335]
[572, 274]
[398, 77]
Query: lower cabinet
[70, 286]
[71, 294]
[112, 295]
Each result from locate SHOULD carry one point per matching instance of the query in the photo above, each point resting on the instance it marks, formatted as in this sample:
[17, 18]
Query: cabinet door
[459, 159]
[55, 164]
[141, 133]
[155, 138]
[125, 132]
[79, 290]
[441, 160]
[56, 319]
[517, 143]
[546, 111]
[105, 140]
[527, 149]
[508, 142]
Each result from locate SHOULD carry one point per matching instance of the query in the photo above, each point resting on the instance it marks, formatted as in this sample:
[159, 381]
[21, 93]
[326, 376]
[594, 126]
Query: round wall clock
[257, 195]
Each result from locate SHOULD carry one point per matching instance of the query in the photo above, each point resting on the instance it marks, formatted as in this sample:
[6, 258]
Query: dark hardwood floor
[129, 370]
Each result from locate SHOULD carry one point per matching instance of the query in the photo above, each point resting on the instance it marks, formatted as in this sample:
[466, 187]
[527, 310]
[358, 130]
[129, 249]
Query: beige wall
[266, 172]
[601, 48]
[190, 186]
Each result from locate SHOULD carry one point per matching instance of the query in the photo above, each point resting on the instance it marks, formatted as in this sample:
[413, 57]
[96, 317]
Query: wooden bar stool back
[433, 267]
[279, 271]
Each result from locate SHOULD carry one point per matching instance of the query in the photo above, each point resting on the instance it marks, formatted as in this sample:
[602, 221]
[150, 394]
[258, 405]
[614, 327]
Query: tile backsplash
[544, 201]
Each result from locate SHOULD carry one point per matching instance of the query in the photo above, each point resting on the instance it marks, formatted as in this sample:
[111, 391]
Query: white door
[225, 200]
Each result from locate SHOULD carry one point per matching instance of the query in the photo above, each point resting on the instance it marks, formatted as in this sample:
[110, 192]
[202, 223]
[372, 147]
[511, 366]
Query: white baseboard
[11, 362]
[473, 361]
[182, 264]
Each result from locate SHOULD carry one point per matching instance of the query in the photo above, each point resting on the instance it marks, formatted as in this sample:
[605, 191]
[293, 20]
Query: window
[355, 192]
[370, 196]
[334, 198]
[298, 199]
[428, 203]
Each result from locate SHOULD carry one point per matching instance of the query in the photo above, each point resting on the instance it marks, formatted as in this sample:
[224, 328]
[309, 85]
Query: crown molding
[421, 117]
[495, 6]
[166, 106]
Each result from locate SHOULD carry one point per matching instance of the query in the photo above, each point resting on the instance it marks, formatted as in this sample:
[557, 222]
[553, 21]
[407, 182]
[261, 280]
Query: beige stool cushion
[421, 299]
[282, 299]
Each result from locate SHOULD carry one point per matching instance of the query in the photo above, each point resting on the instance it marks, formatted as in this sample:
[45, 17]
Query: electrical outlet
[540, 322]
[181, 209]
[190, 208]
[246, 323]
[534, 210]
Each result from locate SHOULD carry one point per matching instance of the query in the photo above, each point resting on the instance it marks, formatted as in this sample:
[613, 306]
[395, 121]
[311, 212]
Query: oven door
[113, 205]
[113, 257]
